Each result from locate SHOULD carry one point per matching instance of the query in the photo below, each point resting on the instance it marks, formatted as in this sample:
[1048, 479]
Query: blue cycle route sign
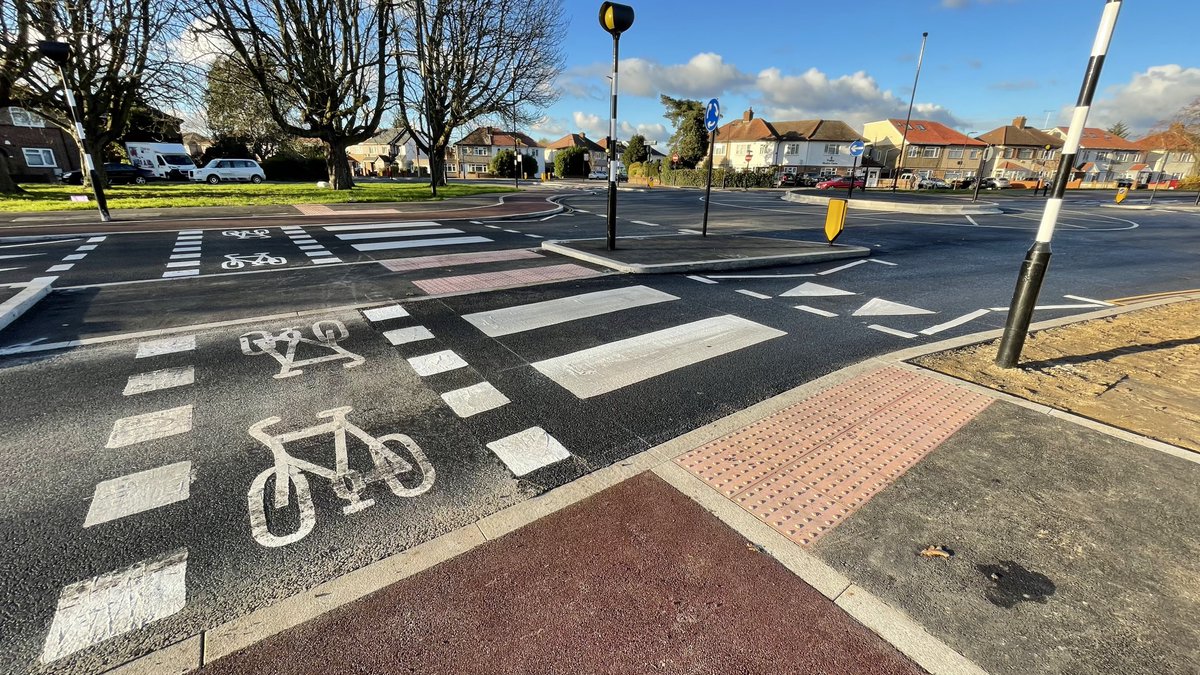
[712, 115]
[856, 148]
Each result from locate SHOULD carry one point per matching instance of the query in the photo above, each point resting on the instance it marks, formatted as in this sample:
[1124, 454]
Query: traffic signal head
[615, 19]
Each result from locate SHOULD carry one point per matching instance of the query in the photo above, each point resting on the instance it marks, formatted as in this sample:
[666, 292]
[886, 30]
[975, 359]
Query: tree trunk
[437, 169]
[7, 185]
[337, 165]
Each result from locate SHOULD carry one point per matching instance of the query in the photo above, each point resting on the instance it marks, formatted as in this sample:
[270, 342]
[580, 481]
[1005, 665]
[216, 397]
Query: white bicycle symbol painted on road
[235, 261]
[348, 484]
[326, 334]
[248, 234]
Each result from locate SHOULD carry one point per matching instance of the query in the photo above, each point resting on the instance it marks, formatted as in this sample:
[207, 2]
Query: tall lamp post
[908, 118]
[60, 53]
[615, 19]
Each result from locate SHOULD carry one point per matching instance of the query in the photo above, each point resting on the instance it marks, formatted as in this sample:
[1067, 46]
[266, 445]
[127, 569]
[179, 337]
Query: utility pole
[908, 117]
[1033, 270]
[615, 19]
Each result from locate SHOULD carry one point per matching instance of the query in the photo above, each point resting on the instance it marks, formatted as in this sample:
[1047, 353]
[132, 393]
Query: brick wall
[14, 140]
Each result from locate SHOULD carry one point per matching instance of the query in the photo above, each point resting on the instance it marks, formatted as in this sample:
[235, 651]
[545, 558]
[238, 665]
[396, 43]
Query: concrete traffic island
[674, 254]
[898, 203]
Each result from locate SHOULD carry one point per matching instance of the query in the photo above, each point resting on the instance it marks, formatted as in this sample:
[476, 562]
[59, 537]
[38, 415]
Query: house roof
[1021, 136]
[491, 136]
[1087, 167]
[1139, 166]
[1171, 139]
[1009, 166]
[928, 132]
[575, 141]
[797, 130]
[746, 130]
[387, 137]
[1093, 138]
[834, 130]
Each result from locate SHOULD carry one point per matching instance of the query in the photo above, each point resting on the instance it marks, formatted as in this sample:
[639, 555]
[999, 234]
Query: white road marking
[642, 222]
[418, 243]
[390, 234]
[195, 240]
[811, 290]
[437, 362]
[60, 268]
[535, 236]
[381, 226]
[611, 366]
[140, 383]
[882, 262]
[149, 426]
[529, 450]
[844, 267]
[385, 313]
[312, 247]
[891, 331]
[881, 307]
[702, 280]
[185, 256]
[513, 231]
[686, 231]
[476, 222]
[474, 399]
[814, 310]
[168, 345]
[191, 232]
[183, 263]
[180, 273]
[583, 210]
[75, 256]
[114, 603]
[499, 322]
[494, 227]
[96, 240]
[402, 336]
[752, 294]
[21, 255]
[138, 492]
[1005, 309]
[759, 276]
[971, 316]
[185, 249]
[972, 221]
[9, 269]
[322, 261]
[325, 334]
[1082, 299]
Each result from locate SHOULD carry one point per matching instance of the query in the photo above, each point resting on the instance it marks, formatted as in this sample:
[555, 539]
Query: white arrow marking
[891, 331]
[1083, 299]
[881, 307]
[843, 267]
[811, 290]
[814, 310]
[954, 322]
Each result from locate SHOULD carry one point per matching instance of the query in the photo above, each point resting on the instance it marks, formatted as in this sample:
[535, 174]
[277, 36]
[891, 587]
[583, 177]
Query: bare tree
[15, 62]
[322, 66]
[463, 60]
[121, 58]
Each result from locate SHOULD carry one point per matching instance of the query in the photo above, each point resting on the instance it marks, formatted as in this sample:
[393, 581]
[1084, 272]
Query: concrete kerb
[891, 624]
[973, 209]
[837, 252]
[14, 307]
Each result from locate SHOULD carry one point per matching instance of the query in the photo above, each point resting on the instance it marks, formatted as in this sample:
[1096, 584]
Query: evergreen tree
[690, 140]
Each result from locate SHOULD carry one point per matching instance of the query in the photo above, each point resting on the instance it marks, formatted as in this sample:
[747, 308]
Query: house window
[954, 153]
[914, 151]
[719, 149]
[1025, 153]
[920, 127]
[1047, 154]
[833, 149]
[974, 154]
[1101, 155]
[24, 118]
[931, 152]
[1185, 156]
[39, 157]
[1009, 153]
[477, 168]
[791, 149]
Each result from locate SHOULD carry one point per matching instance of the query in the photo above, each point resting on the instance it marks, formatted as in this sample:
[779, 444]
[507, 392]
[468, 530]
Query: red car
[841, 182]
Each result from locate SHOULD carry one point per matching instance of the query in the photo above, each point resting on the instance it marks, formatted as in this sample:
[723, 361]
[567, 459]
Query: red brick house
[37, 151]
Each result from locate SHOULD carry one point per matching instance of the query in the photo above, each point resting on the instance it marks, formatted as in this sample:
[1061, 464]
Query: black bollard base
[1020, 311]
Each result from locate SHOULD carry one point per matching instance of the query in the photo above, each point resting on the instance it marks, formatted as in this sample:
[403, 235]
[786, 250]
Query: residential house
[471, 157]
[196, 143]
[1169, 155]
[804, 146]
[36, 150]
[931, 149]
[652, 153]
[389, 150]
[1021, 152]
[595, 157]
[1103, 158]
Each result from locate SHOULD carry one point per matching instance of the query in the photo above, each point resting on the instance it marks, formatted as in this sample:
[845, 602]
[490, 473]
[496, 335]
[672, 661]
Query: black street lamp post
[615, 19]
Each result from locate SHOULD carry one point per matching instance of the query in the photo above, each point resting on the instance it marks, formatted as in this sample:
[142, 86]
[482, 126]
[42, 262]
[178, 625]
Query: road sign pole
[853, 171]
[712, 141]
[615, 19]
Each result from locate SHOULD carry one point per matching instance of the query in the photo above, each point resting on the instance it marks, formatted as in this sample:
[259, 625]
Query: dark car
[1124, 183]
[116, 173]
[786, 180]
[808, 180]
[840, 182]
[962, 183]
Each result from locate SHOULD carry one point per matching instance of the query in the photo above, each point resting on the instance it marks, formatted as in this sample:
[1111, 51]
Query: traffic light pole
[612, 150]
[712, 141]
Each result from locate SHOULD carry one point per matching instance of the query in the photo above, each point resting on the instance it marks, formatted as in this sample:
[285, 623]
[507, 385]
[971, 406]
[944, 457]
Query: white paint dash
[141, 383]
[381, 226]
[686, 231]
[702, 280]
[183, 263]
[474, 399]
[138, 492]
[87, 247]
[96, 240]
[191, 232]
[385, 313]
[881, 307]
[185, 249]
[759, 276]
[642, 222]
[185, 256]
[168, 345]
[814, 310]
[181, 273]
[535, 236]
[74, 256]
[810, 290]
[843, 267]
[753, 294]
[150, 426]
[322, 261]
[970, 316]
[1083, 299]
[493, 227]
[438, 362]
[882, 262]
[500, 322]
[529, 450]
[392, 234]
[418, 243]
[891, 331]
[403, 336]
[60, 268]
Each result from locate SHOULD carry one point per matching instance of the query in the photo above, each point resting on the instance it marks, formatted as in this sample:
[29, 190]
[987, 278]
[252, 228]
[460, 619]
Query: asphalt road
[139, 486]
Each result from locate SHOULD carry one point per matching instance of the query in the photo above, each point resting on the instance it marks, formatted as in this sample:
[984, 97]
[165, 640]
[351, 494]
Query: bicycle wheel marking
[326, 334]
[236, 261]
[247, 234]
[347, 483]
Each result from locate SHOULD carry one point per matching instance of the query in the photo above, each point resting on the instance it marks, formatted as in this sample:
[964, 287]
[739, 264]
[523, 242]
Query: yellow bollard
[835, 219]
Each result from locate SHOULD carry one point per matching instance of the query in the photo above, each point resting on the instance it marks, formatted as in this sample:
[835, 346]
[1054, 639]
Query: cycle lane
[136, 472]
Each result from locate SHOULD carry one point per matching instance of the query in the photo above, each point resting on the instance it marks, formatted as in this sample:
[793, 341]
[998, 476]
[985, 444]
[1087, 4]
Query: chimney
[1019, 122]
[748, 115]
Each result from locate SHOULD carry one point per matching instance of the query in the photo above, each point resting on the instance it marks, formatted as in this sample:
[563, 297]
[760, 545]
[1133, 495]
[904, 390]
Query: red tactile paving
[492, 280]
[806, 468]
[637, 579]
[451, 259]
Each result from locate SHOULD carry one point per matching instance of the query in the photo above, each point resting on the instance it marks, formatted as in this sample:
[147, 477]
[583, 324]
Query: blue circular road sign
[856, 148]
[712, 115]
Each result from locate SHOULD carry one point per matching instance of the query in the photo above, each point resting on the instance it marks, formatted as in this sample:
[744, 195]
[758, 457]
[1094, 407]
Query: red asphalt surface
[635, 579]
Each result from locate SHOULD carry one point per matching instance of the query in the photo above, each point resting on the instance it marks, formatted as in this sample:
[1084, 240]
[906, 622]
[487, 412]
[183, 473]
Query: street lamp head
[58, 52]
[615, 18]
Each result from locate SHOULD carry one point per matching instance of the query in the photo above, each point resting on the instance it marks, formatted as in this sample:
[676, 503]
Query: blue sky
[986, 61]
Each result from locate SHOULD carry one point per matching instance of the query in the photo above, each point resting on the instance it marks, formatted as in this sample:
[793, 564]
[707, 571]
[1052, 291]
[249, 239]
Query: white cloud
[197, 46]
[1147, 99]
[854, 99]
[704, 75]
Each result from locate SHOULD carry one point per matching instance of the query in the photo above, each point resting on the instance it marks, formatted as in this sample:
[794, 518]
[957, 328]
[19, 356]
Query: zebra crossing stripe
[611, 366]
[385, 313]
[141, 383]
[322, 261]
[381, 226]
[474, 399]
[403, 336]
[398, 233]
[419, 243]
[150, 426]
[499, 322]
[167, 345]
[114, 603]
[529, 450]
[138, 492]
[438, 362]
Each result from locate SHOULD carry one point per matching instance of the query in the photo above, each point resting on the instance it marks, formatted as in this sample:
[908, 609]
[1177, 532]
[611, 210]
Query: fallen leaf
[937, 552]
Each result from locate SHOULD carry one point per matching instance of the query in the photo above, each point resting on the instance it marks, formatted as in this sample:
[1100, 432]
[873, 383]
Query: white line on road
[843, 267]
[141, 383]
[312, 247]
[86, 247]
[381, 226]
[317, 253]
[1083, 299]
[419, 243]
[185, 249]
[385, 313]
[149, 426]
[494, 227]
[810, 290]
[398, 233]
[438, 362]
[611, 366]
[474, 399]
[183, 263]
[96, 240]
[9, 269]
[891, 331]
[882, 262]
[168, 345]
[702, 280]
[971, 316]
[60, 268]
[180, 273]
[20, 255]
[972, 221]
[185, 256]
[814, 310]
[752, 294]
[535, 236]
[881, 307]
[499, 322]
[75, 256]
[512, 231]
[529, 450]
[114, 603]
[642, 222]
[138, 492]
[686, 231]
[191, 232]
[1005, 309]
[403, 336]
[322, 261]
[759, 276]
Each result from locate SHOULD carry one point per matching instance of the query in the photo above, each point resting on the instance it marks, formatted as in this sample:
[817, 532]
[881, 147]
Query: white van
[164, 160]
[218, 170]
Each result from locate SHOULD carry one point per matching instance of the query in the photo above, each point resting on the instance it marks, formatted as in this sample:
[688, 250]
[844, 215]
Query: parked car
[962, 183]
[598, 174]
[786, 180]
[116, 173]
[932, 184]
[990, 183]
[1124, 183]
[218, 170]
[808, 180]
[841, 182]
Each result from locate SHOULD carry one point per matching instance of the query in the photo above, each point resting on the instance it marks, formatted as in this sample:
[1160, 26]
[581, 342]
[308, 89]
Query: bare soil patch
[1138, 371]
